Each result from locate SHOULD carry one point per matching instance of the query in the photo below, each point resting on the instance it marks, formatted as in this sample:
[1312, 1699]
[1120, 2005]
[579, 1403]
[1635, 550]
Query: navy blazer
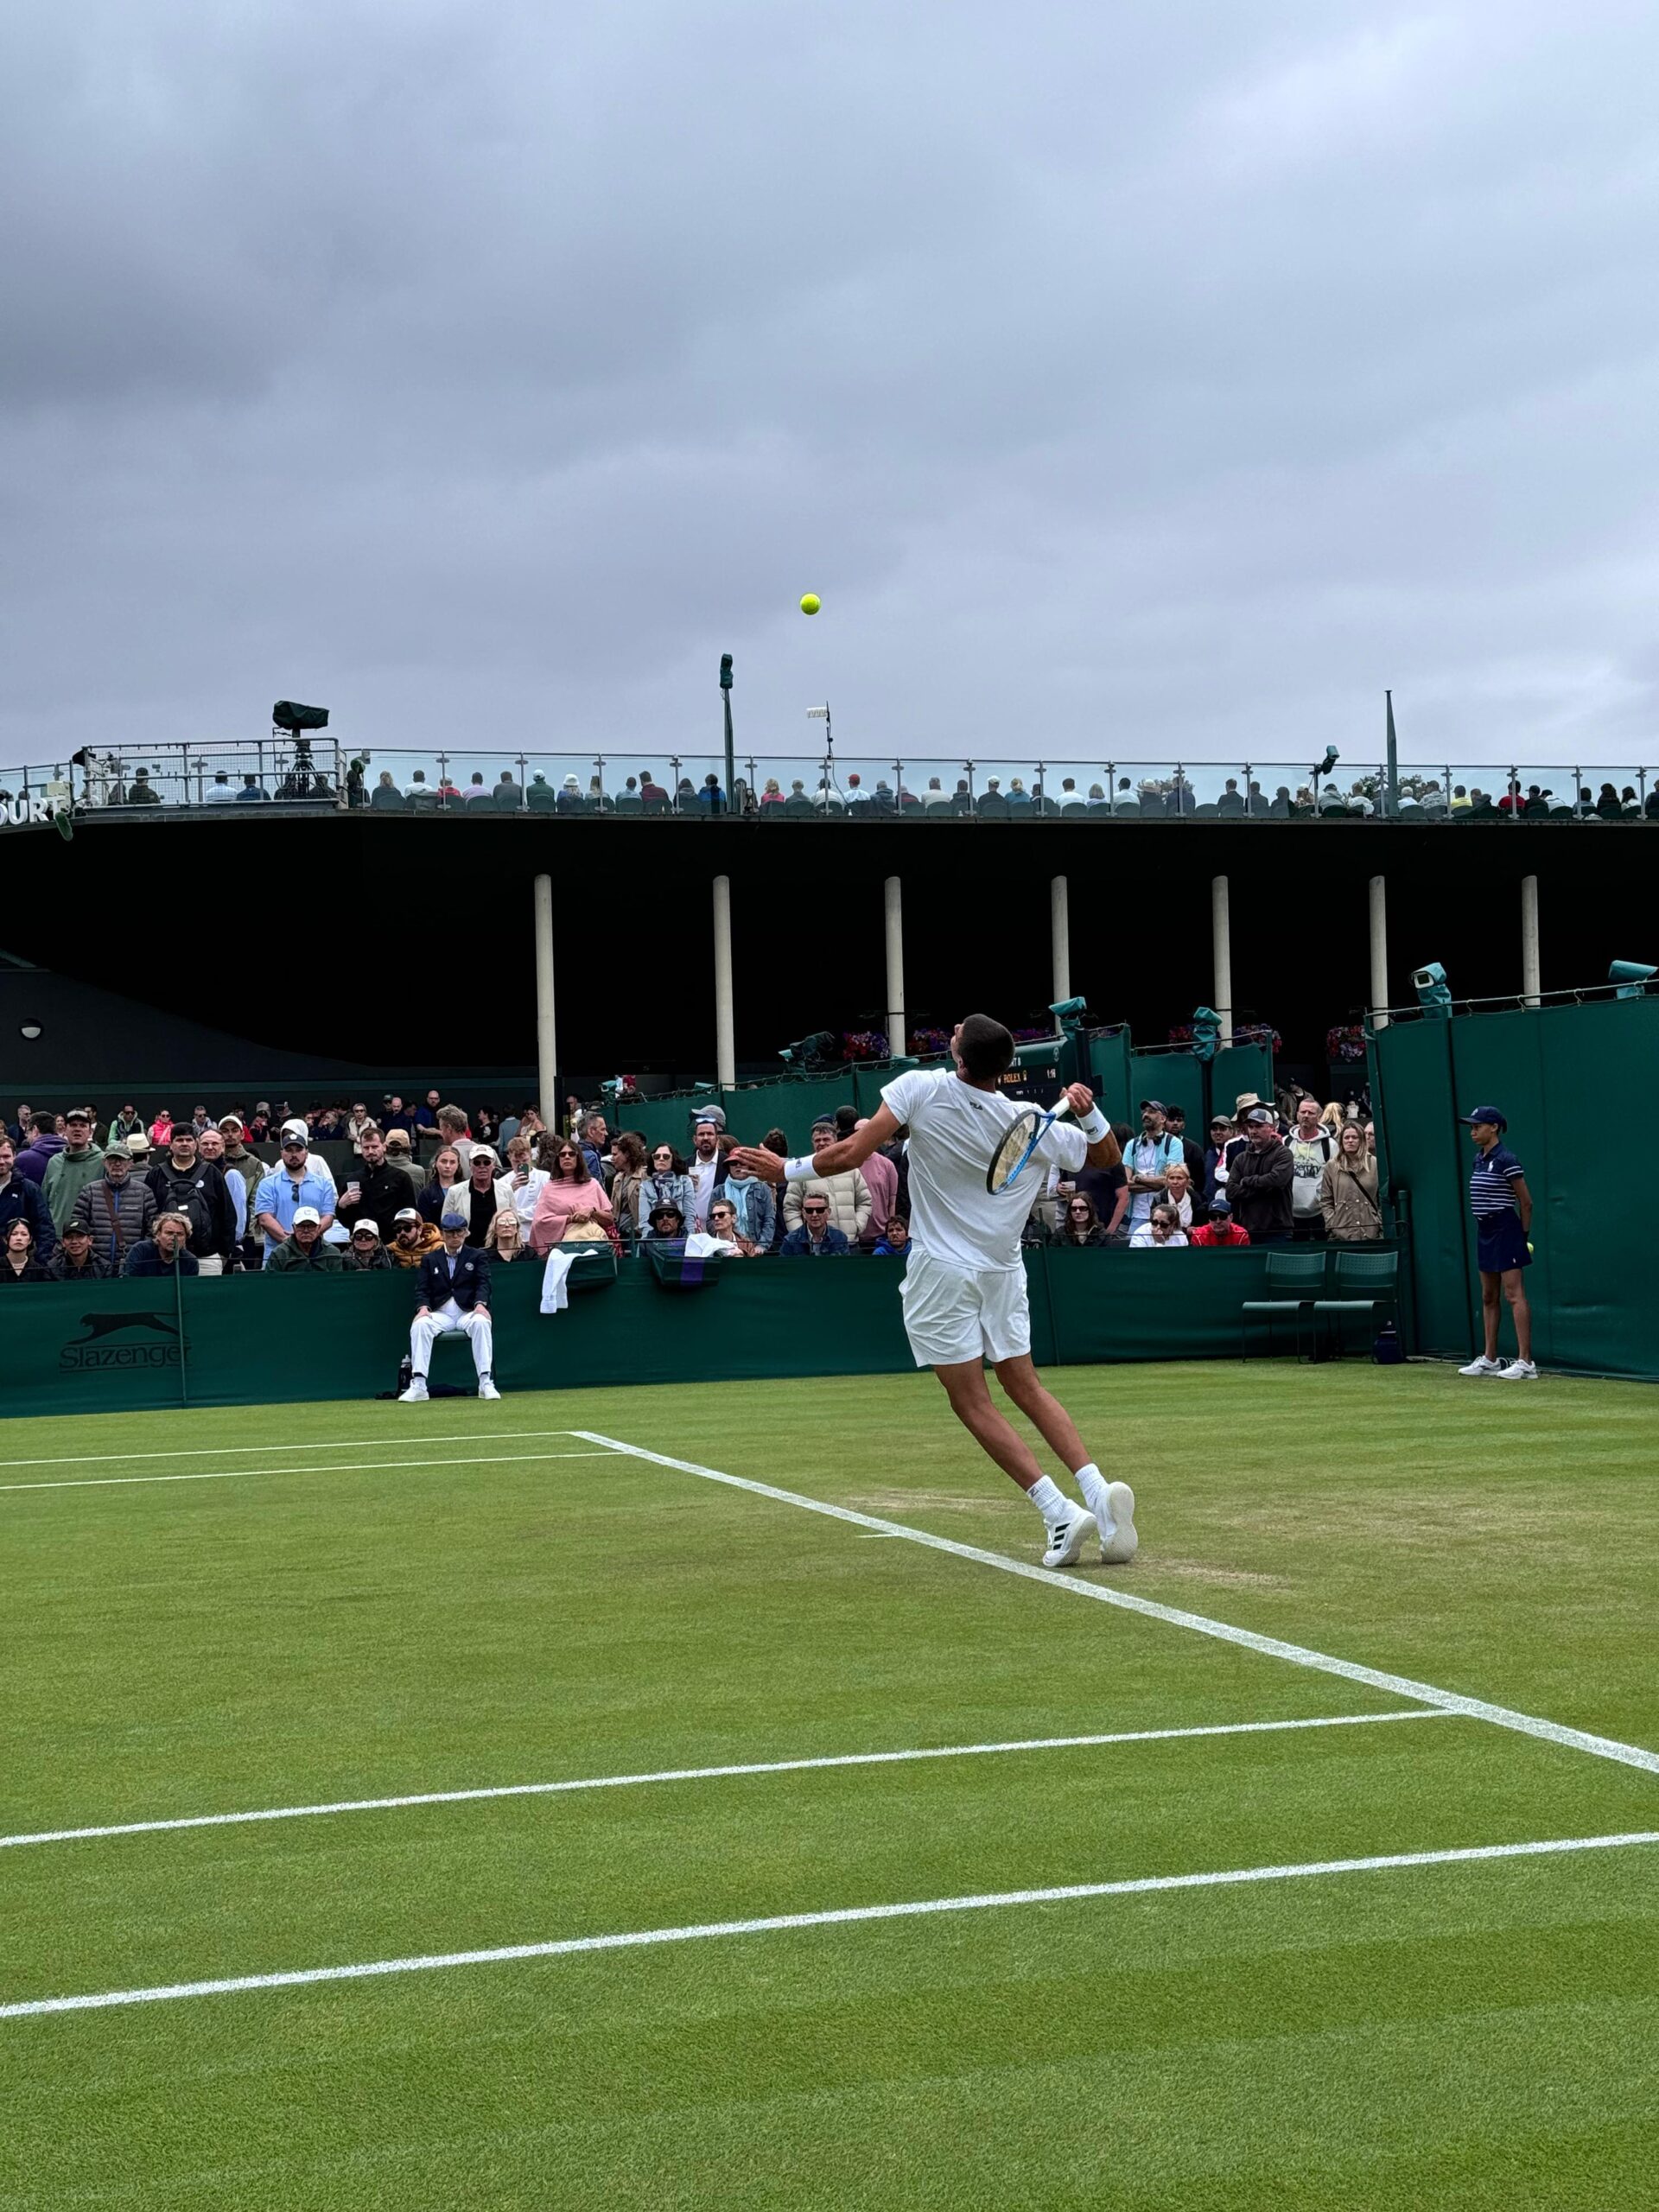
[470, 1288]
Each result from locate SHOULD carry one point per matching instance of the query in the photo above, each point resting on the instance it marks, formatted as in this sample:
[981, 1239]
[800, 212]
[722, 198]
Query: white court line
[710, 1774]
[1273, 1647]
[639, 1939]
[345, 1444]
[334, 1467]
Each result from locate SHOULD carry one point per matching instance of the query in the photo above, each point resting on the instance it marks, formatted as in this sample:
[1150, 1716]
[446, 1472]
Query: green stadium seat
[1297, 1278]
[993, 807]
[1366, 1283]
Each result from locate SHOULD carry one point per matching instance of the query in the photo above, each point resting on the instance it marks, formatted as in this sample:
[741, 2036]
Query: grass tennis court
[313, 1607]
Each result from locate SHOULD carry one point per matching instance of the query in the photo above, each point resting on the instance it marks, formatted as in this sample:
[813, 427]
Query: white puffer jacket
[849, 1201]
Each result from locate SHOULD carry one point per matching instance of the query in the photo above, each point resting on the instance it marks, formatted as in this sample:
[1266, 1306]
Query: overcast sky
[1130, 381]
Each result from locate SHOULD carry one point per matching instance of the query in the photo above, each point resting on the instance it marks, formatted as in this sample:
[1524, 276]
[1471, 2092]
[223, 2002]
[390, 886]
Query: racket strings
[1013, 1150]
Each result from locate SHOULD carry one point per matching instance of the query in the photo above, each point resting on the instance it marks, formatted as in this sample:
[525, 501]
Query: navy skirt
[1502, 1245]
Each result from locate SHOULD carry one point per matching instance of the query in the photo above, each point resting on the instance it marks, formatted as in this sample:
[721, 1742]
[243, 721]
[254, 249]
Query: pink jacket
[882, 1177]
[554, 1206]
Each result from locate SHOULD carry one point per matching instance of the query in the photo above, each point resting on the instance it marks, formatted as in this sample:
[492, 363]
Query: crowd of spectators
[80, 1200]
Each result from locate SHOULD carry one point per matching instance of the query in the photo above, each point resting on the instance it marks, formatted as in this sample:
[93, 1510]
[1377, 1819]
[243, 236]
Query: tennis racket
[1017, 1147]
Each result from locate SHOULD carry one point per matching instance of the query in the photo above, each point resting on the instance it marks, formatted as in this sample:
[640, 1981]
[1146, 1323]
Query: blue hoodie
[31, 1162]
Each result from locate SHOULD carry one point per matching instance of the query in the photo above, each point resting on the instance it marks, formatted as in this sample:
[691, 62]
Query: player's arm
[848, 1152]
[1104, 1150]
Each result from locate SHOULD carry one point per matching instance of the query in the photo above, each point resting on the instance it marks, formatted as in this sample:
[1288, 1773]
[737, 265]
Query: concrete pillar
[1059, 925]
[896, 1039]
[1532, 984]
[1221, 935]
[547, 1055]
[1379, 953]
[725, 1034]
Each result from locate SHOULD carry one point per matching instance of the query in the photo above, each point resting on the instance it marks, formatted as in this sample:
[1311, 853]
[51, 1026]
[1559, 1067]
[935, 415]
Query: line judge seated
[452, 1290]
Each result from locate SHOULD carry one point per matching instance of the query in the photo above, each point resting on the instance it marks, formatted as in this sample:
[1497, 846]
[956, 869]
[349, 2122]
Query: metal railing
[320, 773]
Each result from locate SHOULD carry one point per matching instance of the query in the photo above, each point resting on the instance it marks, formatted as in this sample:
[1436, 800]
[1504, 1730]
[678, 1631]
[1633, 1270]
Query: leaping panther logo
[99, 1325]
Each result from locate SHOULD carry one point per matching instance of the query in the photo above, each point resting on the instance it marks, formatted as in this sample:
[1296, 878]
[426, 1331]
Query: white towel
[556, 1290]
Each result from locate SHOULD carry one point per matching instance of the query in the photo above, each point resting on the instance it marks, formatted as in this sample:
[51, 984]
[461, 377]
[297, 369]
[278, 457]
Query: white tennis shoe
[1519, 1370]
[1483, 1366]
[1067, 1538]
[486, 1388]
[415, 1395]
[1118, 1539]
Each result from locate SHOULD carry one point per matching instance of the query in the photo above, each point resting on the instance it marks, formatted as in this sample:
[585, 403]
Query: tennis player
[964, 1286]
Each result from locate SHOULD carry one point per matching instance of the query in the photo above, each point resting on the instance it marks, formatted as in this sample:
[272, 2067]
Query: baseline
[1272, 1647]
[707, 1774]
[334, 1467]
[845, 1916]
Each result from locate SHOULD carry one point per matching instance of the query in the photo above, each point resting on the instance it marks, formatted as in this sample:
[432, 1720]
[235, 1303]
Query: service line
[392, 1443]
[706, 1774]
[334, 1467]
[842, 1916]
[1272, 1647]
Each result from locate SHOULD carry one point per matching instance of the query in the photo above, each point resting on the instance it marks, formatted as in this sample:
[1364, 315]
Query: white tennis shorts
[951, 1315]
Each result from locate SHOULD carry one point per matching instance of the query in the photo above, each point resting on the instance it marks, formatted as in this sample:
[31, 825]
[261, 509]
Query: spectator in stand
[1080, 1223]
[378, 1188]
[1161, 1230]
[847, 1192]
[776, 1143]
[18, 1262]
[1370, 1139]
[445, 1177]
[596, 1144]
[1178, 1192]
[364, 1253]
[521, 1184]
[294, 1126]
[184, 1183]
[1242, 1106]
[1147, 1163]
[69, 1172]
[481, 1204]
[484, 1129]
[126, 1124]
[722, 1223]
[627, 1181]
[664, 1222]
[649, 786]
[1215, 1156]
[1259, 1180]
[666, 1184]
[1221, 1229]
[161, 1128]
[426, 1119]
[1349, 1197]
[1175, 1126]
[43, 1147]
[289, 1185]
[882, 1179]
[74, 1261]
[210, 1149]
[240, 1160]
[397, 1116]
[815, 1239]
[1311, 1146]
[117, 1210]
[894, 1241]
[705, 1168]
[1108, 1188]
[452, 1130]
[507, 1241]
[412, 1238]
[16, 1130]
[304, 1252]
[356, 1122]
[400, 1153]
[166, 1251]
[453, 1290]
[573, 1198]
[755, 1209]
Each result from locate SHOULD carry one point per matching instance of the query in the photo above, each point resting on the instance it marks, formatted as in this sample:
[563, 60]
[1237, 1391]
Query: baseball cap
[75, 1228]
[363, 1227]
[406, 1213]
[1156, 1104]
[1221, 1205]
[297, 1129]
[396, 1141]
[1498, 1120]
[486, 1152]
[306, 1213]
[1257, 1115]
[77, 1114]
[231, 1122]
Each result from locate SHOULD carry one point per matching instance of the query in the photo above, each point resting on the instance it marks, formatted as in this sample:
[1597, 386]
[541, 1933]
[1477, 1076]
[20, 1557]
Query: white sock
[1049, 1500]
[1092, 1484]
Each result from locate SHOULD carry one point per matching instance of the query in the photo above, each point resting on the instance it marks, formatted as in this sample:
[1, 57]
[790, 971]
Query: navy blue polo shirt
[1492, 1186]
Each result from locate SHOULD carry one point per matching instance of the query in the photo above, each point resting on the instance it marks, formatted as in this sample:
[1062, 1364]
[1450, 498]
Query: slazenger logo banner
[121, 1339]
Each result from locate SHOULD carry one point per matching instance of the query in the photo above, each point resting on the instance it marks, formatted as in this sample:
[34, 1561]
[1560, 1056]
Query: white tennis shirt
[954, 1130]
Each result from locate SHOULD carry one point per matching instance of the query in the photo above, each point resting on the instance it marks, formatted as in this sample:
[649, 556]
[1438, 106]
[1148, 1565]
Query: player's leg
[1069, 1527]
[1111, 1504]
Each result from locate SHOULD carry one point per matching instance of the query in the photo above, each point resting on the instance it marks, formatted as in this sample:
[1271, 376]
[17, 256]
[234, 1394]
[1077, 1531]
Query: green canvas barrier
[117, 1347]
[1109, 1075]
[1561, 1073]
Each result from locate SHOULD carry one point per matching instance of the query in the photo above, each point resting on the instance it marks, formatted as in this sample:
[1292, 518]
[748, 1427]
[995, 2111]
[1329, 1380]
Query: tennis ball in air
[811, 603]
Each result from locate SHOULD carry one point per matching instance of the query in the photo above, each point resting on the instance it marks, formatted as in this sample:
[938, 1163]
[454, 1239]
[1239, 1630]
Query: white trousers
[449, 1321]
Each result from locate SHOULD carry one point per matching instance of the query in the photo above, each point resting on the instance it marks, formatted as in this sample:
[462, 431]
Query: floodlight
[1433, 995]
[1631, 978]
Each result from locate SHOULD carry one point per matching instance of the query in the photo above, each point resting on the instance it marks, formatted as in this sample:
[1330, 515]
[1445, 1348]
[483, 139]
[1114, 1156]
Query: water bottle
[1388, 1351]
[405, 1373]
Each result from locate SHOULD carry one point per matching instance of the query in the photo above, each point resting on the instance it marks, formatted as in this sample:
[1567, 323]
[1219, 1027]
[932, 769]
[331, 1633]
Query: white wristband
[1094, 1124]
[796, 1169]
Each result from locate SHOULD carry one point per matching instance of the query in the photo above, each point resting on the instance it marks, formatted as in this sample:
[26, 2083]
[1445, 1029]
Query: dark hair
[675, 1164]
[584, 1174]
[775, 1141]
[725, 1144]
[631, 1150]
[846, 1119]
[985, 1046]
